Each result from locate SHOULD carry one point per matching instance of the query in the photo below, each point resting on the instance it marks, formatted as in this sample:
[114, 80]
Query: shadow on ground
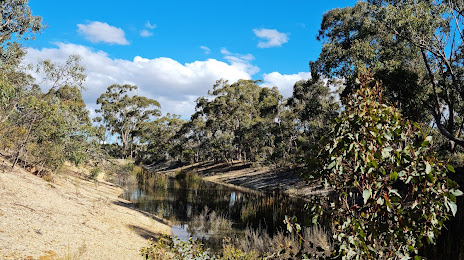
[146, 234]
[131, 206]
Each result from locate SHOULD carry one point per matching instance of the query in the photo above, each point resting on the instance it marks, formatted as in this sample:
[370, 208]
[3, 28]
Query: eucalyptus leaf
[428, 168]
[453, 207]
[366, 195]
[386, 152]
[456, 192]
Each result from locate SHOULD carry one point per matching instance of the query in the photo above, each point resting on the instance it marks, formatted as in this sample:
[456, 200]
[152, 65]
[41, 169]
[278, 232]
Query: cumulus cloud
[206, 49]
[284, 82]
[174, 85]
[272, 37]
[102, 32]
[145, 33]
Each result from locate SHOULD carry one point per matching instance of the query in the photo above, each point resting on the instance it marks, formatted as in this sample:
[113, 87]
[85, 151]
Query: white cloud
[150, 26]
[284, 82]
[174, 85]
[225, 51]
[242, 61]
[206, 49]
[102, 32]
[272, 37]
[148, 33]
[145, 33]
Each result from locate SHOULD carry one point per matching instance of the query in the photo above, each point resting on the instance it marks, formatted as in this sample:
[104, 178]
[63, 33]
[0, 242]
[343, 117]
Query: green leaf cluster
[391, 194]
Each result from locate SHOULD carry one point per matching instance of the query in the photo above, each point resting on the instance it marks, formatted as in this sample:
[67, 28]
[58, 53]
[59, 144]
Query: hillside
[69, 218]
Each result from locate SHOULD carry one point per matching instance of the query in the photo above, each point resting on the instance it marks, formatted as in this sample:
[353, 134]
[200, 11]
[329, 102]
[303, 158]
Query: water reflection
[210, 211]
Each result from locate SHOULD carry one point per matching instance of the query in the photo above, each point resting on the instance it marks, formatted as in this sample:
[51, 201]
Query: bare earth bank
[71, 218]
[251, 178]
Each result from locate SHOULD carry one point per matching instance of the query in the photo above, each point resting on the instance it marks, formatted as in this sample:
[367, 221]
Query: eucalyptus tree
[314, 106]
[53, 126]
[390, 195]
[354, 39]
[17, 20]
[414, 47]
[40, 128]
[435, 28]
[78, 138]
[158, 138]
[16, 23]
[239, 117]
[193, 141]
[124, 114]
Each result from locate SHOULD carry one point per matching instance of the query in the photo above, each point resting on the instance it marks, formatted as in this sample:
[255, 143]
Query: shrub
[94, 173]
[173, 248]
[390, 193]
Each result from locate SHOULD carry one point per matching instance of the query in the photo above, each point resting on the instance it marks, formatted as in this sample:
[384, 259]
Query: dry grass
[71, 218]
[284, 245]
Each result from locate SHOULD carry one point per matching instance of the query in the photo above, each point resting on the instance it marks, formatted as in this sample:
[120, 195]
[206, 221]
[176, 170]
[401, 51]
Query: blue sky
[175, 50]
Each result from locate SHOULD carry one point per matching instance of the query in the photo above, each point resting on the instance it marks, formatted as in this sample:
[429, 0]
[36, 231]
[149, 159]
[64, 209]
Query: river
[211, 212]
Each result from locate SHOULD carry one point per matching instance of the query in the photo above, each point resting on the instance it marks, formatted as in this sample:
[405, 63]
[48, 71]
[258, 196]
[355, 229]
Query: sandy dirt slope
[70, 218]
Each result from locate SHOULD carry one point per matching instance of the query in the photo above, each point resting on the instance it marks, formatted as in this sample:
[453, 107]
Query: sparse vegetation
[255, 244]
[94, 173]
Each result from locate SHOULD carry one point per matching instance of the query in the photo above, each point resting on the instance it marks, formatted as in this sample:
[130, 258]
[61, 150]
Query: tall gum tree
[123, 114]
[16, 23]
[414, 47]
[239, 118]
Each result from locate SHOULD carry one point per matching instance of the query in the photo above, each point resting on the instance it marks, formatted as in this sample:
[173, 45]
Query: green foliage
[17, 20]
[413, 47]
[175, 249]
[391, 194]
[158, 139]
[243, 121]
[94, 173]
[70, 74]
[238, 119]
[255, 244]
[354, 38]
[6, 93]
[231, 252]
[45, 129]
[311, 108]
[123, 114]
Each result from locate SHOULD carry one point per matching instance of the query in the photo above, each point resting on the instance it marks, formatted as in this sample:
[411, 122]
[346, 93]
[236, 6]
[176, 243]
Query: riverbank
[247, 176]
[69, 218]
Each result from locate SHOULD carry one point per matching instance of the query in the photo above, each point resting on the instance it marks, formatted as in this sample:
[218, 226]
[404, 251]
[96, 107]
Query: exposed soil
[245, 175]
[69, 218]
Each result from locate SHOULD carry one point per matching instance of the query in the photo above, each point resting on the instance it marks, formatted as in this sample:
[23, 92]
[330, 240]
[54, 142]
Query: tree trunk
[24, 142]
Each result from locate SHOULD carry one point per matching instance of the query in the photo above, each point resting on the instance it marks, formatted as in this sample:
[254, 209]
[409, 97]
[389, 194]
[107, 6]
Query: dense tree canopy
[124, 114]
[47, 129]
[414, 47]
[238, 120]
[158, 139]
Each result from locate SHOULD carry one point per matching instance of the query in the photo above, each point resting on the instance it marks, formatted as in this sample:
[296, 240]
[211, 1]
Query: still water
[211, 212]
